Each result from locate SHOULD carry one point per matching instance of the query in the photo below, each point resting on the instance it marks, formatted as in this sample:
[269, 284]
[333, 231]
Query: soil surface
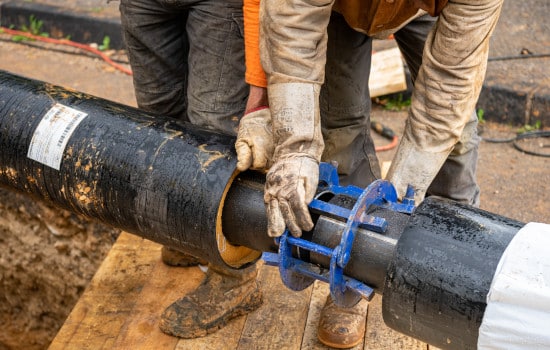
[49, 255]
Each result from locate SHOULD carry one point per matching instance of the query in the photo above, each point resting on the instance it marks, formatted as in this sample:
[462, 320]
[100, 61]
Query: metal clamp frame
[345, 291]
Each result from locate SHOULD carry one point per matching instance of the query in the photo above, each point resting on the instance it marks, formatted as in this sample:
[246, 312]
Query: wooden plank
[109, 296]
[380, 337]
[165, 285]
[280, 322]
[106, 309]
[121, 307]
[318, 298]
[385, 168]
[387, 74]
[226, 338]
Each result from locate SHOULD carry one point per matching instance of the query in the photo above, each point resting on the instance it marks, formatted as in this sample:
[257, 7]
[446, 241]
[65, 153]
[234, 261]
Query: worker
[187, 59]
[316, 56]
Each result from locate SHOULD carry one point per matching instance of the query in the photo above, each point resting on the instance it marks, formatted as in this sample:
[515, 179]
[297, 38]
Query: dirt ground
[47, 256]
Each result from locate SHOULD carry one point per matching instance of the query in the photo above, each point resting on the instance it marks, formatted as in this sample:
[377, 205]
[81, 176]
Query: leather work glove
[255, 140]
[292, 180]
[415, 166]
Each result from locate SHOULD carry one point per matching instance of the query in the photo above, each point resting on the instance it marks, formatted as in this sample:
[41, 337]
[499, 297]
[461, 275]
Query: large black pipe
[176, 184]
[150, 176]
[163, 180]
[433, 268]
[437, 284]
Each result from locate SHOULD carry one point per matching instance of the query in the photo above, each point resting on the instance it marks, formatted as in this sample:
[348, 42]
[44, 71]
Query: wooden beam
[279, 323]
[387, 74]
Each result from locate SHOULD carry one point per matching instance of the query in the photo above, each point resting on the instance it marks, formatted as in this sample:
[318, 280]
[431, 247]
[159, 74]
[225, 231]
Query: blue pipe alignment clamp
[345, 291]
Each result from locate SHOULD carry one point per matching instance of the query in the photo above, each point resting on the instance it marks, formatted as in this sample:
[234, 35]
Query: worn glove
[293, 178]
[255, 141]
[416, 167]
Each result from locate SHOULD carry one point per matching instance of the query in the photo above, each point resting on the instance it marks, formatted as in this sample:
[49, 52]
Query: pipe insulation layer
[151, 176]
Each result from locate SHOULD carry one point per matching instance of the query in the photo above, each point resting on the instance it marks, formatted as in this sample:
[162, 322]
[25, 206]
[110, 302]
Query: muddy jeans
[345, 111]
[188, 59]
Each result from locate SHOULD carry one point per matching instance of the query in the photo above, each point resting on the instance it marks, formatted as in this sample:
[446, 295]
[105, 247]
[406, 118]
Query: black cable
[506, 140]
[481, 131]
[525, 135]
[529, 135]
[517, 57]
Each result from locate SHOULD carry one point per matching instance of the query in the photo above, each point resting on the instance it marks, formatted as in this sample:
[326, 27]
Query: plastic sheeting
[518, 303]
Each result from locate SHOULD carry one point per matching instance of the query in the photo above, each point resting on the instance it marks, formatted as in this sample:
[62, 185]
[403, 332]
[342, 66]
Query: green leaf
[106, 43]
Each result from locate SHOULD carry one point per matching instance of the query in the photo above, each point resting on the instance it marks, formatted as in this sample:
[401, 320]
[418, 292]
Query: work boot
[172, 257]
[223, 294]
[342, 328]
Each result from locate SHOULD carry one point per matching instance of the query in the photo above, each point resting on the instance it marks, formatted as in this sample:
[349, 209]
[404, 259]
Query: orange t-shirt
[255, 74]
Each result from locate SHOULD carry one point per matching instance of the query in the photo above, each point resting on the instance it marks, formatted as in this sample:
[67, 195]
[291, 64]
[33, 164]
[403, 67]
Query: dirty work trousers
[346, 105]
[187, 57]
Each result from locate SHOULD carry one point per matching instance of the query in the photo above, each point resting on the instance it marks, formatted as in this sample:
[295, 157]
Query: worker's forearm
[293, 40]
[257, 98]
[445, 92]
[452, 73]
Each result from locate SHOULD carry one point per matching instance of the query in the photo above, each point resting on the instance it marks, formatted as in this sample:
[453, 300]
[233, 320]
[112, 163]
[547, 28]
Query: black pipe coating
[176, 184]
[151, 176]
[437, 285]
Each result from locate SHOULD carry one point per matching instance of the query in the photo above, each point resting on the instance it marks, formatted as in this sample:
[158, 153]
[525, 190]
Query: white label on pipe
[52, 134]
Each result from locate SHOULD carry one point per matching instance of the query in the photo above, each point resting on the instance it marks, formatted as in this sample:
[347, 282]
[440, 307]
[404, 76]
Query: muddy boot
[172, 257]
[223, 294]
[342, 328]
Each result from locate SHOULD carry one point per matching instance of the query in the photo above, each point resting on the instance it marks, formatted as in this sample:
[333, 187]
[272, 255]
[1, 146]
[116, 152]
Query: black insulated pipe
[167, 181]
[154, 177]
[176, 184]
[437, 285]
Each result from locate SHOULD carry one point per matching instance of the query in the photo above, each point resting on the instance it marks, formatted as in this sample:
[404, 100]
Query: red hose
[385, 132]
[67, 43]
[389, 146]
